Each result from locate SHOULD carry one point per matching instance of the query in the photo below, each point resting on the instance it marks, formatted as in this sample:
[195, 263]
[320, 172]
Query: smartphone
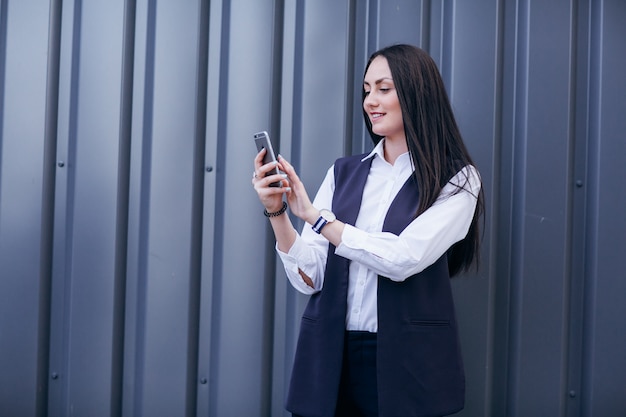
[262, 140]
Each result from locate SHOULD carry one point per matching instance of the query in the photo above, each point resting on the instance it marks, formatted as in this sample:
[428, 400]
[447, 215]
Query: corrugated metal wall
[137, 273]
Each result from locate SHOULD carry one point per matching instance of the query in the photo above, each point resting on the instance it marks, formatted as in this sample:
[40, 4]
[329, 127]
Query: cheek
[398, 109]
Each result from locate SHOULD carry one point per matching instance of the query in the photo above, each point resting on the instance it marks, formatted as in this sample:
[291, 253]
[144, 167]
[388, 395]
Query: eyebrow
[380, 80]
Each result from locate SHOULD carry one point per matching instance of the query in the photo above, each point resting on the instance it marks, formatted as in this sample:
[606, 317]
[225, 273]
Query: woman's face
[381, 101]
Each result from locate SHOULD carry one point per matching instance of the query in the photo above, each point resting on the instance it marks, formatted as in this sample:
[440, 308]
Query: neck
[394, 148]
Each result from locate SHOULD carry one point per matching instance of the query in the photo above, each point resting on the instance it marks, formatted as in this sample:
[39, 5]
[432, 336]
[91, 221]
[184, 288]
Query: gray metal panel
[209, 48]
[542, 253]
[142, 267]
[23, 60]
[288, 304]
[318, 125]
[402, 21]
[241, 285]
[88, 134]
[161, 223]
[322, 95]
[604, 387]
[475, 95]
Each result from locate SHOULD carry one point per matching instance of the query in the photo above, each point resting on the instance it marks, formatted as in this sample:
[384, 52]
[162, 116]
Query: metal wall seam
[495, 388]
[197, 207]
[592, 223]
[61, 278]
[47, 207]
[519, 139]
[123, 209]
[213, 170]
[138, 215]
[219, 44]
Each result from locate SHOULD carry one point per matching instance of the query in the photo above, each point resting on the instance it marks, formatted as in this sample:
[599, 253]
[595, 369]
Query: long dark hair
[435, 144]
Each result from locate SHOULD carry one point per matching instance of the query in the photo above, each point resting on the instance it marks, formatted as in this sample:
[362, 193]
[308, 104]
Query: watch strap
[319, 224]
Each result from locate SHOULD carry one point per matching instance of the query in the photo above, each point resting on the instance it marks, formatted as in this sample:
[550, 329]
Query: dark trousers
[358, 393]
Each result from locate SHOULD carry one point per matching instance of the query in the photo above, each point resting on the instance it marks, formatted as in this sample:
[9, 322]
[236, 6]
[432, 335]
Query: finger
[290, 171]
[261, 180]
[263, 170]
[269, 194]
[286, 166]
[284, 162]
[281, 179]
[258, 159]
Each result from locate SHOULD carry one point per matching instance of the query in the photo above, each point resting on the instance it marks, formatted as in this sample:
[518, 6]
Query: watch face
[328, 215]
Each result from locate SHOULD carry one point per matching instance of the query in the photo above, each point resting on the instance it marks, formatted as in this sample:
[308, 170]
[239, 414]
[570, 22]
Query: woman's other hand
[297, 197]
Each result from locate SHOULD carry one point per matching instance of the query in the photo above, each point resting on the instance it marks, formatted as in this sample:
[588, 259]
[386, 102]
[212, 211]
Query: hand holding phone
[262, 141]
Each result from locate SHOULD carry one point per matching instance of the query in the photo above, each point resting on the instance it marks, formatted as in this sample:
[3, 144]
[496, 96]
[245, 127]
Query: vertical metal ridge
[47, 205]
[269, 287]
[296, 148]
[352, 93]
[425, 23]
[520, 108]
[447, 46]
[491, 407]
[594, 111]
[63, 223]
[357, 37]
[373, 26]
[579, 126]
[3, 60]
[122, 209]
[197, 207]
[62, 212]
[570, 361]
[220, 186]
[144, 205]
[72, 135]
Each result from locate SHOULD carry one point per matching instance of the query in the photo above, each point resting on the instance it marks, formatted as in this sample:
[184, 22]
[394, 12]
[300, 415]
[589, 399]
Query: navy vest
[420, 370]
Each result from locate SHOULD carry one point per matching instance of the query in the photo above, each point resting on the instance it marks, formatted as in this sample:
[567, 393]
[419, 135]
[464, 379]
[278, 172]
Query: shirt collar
[378, 150]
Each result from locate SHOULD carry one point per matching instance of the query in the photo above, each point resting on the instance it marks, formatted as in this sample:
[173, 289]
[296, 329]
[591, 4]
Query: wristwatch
[326, 216]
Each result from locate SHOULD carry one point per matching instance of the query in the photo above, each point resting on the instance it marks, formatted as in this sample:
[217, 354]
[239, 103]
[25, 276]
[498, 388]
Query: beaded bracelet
[276, 213]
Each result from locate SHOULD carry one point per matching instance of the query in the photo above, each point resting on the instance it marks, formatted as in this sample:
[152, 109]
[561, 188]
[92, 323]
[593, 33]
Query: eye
[366, 93]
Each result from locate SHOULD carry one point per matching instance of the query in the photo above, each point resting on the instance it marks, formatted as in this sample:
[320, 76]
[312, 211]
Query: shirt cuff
[292, 269]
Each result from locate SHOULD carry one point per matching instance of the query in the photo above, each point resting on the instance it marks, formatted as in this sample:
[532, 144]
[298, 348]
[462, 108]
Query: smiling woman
[387, 230]
[383, 107]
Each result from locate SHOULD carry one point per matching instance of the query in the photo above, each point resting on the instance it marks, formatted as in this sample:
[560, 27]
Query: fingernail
[283, 175]
[288, 189]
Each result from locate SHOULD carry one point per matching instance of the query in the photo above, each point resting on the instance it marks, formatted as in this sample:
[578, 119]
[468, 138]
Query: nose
[369, 101]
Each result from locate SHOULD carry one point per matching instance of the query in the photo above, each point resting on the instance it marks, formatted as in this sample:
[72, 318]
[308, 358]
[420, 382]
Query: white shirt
[374, 252]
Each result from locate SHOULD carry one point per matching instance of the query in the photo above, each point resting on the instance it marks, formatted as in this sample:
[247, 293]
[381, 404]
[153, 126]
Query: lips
[376, 116]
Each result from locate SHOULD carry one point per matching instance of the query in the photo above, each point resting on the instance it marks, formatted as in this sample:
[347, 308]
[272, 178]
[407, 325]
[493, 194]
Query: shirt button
[362, 282]
[355, 311]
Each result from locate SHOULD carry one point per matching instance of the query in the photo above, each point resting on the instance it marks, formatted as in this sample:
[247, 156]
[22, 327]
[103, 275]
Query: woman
[385, 233]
